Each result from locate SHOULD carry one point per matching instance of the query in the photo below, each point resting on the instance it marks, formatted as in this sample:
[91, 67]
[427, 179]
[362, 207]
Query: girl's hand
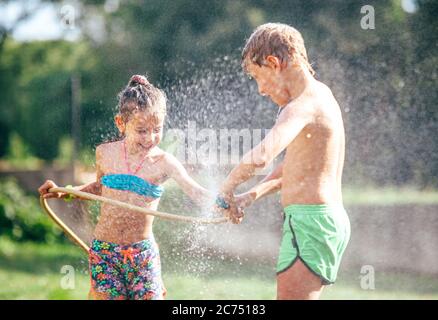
[46, 194]
[244, 200]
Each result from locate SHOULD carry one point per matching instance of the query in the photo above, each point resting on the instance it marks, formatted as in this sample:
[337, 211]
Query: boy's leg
[298, 283]
[313, 242]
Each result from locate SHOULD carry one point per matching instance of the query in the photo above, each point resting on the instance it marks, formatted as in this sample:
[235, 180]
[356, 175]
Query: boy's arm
[270, 184]
[194, 190]
[289, 124]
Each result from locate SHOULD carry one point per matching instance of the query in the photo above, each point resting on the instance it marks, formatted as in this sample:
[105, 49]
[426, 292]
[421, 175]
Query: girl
[124, 258]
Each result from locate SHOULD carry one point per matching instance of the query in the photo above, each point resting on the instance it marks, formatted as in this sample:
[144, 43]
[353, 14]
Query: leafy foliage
[21, 217]
[386, 71]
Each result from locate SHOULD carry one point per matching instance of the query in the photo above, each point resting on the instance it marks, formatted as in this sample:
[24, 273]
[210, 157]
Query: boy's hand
[244, 200]
[238, 215]
[233, 212]
[46, 194]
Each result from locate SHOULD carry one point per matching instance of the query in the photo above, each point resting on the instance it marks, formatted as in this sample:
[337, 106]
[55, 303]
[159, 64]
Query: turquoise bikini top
[129, 182]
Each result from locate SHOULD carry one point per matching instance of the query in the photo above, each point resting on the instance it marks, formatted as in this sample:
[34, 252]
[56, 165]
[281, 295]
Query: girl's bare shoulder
[168, 162]
[161, 156]
[107, 155]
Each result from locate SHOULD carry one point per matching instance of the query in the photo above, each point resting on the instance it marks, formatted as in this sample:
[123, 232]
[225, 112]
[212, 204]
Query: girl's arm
[93, 187]
[194, 190]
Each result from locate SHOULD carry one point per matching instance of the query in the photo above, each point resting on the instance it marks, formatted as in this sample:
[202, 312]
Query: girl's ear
[120, 124]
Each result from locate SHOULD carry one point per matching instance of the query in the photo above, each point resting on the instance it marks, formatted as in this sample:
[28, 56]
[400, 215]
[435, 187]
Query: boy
[316, 228]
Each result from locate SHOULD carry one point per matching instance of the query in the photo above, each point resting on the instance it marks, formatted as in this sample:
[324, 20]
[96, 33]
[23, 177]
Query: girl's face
[143, 131]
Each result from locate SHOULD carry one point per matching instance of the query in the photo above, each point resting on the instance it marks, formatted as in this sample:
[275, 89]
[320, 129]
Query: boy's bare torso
[312, 167]
[120, 225]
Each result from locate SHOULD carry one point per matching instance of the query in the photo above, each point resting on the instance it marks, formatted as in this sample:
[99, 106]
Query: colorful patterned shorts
[131, 272]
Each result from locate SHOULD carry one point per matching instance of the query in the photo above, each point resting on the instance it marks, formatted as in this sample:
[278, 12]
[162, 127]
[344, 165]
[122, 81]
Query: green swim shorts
[317, 235]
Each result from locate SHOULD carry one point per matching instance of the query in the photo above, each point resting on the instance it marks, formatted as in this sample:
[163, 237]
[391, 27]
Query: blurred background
[62, 64]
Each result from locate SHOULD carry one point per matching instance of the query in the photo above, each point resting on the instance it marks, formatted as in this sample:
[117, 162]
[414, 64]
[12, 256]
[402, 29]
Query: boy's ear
[273, 62]
[119, 123]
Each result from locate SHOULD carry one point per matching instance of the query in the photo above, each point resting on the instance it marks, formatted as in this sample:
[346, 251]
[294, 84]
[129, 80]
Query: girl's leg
[105, 279]
[147, 283]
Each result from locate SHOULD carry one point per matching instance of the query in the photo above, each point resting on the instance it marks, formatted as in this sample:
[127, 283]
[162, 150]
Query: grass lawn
[33, 271]
[389, 196]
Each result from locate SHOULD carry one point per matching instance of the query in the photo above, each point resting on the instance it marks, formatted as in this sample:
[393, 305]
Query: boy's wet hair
[141, 95]
[276, 39]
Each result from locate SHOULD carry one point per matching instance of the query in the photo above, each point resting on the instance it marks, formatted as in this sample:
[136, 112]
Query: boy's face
[143, 131]
[269, 80]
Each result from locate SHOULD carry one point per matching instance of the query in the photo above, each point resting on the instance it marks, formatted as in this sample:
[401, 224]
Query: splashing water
[221, 97]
